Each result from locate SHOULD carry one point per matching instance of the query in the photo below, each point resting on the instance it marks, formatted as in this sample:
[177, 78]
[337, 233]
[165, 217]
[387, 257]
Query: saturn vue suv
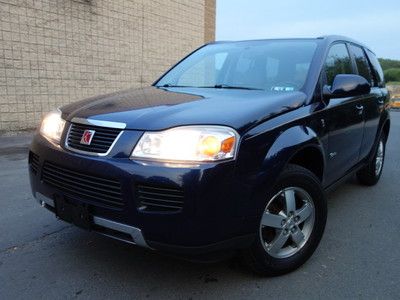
[231, 151]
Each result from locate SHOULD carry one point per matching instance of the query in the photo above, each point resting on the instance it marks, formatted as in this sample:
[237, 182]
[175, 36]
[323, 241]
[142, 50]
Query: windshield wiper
[217, 86]
[226, 86]
[173, 85]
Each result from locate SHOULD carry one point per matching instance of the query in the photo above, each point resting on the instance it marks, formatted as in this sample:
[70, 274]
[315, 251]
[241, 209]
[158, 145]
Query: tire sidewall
[367, 175]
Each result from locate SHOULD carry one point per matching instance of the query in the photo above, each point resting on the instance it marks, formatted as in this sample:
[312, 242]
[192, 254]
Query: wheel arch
[297, 145]
[311, 158]
[386, 128]
[288, 147]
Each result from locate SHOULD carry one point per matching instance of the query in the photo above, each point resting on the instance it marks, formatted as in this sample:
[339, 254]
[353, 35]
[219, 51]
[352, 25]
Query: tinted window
[361, 62]
[377, 69]
[280, 65]
[337, 62]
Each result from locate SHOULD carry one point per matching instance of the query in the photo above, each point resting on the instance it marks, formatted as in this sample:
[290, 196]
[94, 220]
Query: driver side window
[337, 62]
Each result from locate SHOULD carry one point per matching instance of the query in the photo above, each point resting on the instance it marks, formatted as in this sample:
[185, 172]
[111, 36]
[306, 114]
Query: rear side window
[361, 62]
[376, 69]
[337, 62]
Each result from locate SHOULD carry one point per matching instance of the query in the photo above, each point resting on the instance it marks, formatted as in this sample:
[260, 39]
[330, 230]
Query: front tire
[292, 224]
[371, 173]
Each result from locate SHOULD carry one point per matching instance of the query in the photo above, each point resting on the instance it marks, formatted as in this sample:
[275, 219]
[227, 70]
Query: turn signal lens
[228, 144]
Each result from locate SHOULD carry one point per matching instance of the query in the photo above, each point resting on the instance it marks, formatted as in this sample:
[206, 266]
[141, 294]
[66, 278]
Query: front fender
[285, 147]
[279, 148]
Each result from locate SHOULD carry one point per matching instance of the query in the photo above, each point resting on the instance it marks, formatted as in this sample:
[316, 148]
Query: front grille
[151, 198]
[102, 140]
[88, 188]
[33, 161]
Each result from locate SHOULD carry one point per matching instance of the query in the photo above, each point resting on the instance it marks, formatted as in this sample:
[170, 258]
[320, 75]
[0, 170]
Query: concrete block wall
[53, 52]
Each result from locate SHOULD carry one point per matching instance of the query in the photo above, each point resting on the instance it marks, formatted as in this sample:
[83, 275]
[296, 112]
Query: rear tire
[371, 173]
[291, 226]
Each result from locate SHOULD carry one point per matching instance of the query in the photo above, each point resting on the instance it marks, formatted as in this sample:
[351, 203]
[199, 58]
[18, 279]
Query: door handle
[360, 108]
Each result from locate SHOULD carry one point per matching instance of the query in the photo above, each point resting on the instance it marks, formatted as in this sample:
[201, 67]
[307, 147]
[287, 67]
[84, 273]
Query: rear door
[370, 102]
[377, 104]
[344, 118]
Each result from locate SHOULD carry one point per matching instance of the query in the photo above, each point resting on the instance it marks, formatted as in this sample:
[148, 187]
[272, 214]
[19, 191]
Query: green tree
[392, 74]
[389, 63]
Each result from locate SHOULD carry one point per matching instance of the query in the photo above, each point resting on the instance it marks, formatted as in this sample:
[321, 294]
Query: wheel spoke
[290, 201]
[278, 242]
[304, 213]
[272, 220]
[379, 159]
[297, 236]
[380, 150]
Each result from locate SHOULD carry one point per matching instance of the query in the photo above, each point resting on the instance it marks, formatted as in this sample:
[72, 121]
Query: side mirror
[347, 85]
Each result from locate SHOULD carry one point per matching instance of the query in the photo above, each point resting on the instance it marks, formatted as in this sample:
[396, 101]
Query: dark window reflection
[361, 62]
[337, 62]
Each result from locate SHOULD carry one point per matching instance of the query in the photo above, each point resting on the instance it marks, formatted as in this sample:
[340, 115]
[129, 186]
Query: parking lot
[41, 257]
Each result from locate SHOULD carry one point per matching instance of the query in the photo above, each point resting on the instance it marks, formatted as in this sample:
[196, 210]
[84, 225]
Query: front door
[344, 118]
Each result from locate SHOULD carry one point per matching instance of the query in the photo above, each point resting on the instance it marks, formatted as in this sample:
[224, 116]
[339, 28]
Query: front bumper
[211, 218]
[104, 226]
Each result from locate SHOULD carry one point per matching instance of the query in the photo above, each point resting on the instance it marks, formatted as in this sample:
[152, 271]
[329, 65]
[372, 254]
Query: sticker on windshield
[283, 88]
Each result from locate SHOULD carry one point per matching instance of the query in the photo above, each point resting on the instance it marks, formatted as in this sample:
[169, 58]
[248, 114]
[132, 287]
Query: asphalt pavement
[42, 257]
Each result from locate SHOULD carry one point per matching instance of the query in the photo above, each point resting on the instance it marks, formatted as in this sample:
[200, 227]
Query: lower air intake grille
[101, 142]
[151, 198]
[91, 189]
[33, 162]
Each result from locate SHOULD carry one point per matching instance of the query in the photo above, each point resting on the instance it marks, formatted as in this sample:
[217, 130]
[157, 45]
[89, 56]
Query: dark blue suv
[230, 151]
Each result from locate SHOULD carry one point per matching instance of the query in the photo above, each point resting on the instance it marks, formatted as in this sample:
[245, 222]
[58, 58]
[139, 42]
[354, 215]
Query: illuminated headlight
[52, 126]
[188, 144]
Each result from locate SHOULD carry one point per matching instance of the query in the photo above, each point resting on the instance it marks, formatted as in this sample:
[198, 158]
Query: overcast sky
[375, 23]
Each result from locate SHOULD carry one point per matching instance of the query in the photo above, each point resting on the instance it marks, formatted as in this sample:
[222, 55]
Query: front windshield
[275, 65]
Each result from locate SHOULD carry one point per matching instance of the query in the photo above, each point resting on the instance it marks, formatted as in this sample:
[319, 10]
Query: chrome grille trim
[99, 123]
[71, 148]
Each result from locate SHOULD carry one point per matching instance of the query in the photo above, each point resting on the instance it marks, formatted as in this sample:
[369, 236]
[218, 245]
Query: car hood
[155, 108]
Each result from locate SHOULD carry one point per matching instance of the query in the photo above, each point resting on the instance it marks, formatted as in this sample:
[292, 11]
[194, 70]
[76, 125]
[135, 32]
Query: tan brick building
[54, 52]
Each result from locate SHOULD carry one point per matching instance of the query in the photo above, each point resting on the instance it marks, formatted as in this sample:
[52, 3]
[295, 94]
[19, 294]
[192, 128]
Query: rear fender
[384, 120]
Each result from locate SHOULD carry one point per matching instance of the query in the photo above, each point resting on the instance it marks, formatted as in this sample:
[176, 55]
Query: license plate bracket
[78, 214]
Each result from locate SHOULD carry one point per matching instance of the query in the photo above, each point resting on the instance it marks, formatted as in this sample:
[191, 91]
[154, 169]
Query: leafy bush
[389, 63]
[392, 74]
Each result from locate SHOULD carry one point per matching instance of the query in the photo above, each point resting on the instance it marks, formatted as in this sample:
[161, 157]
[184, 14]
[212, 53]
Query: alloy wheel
[287, 222]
